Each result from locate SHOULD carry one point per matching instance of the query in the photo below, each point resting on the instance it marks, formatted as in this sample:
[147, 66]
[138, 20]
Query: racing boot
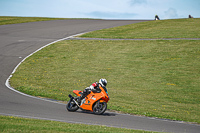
[80, 98]
[84, 94]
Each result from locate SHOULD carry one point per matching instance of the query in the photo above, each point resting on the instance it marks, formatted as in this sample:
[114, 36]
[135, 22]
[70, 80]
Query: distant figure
[157, 18]
[190, 16]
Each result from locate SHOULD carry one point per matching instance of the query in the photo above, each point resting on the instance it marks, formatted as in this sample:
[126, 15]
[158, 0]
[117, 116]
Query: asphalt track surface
[17, 41]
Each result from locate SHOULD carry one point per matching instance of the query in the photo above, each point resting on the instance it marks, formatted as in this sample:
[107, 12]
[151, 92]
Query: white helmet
[103, 82]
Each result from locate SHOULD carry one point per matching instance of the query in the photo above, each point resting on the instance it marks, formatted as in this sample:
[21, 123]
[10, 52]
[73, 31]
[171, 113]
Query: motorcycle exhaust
[72, 98]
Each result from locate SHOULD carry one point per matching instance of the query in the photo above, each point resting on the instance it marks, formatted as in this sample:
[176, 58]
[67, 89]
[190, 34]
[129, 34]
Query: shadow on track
[89, 112]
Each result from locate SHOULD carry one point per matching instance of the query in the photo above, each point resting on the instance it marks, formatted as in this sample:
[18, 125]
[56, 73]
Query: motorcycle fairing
[90, 100]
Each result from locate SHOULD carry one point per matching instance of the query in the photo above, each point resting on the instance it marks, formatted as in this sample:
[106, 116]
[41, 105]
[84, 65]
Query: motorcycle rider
[94, 88]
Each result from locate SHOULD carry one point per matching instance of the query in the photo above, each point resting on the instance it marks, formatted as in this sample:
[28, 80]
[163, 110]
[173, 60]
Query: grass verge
[152, 78]
[4, 20]
[10, 124]
[175, 28]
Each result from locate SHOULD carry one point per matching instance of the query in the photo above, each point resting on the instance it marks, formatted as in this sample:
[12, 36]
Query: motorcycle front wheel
[71, 106]
[99, 108]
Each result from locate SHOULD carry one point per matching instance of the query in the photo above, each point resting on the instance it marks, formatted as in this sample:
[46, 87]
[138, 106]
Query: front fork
[98, 103]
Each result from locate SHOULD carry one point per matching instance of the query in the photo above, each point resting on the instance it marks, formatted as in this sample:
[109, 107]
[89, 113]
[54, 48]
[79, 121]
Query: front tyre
[71, 106]
[99, 108]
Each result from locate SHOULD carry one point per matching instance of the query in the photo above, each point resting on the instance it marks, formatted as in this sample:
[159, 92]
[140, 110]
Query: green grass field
[152, 78]
[10, 124]
[175, 28]
[157, 78]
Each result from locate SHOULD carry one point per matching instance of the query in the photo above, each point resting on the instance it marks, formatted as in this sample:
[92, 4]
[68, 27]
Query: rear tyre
[71, 106]
[100, 108]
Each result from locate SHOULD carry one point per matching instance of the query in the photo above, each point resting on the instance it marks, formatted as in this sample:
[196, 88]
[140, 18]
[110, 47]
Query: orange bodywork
[77, 92]
[92, 98]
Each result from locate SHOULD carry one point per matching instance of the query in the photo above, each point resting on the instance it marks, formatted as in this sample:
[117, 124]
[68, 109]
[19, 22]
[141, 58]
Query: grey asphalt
[19, 40]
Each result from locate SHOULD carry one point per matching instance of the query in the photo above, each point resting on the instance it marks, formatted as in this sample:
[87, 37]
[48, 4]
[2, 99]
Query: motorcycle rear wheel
[71, 106]
[100, 108]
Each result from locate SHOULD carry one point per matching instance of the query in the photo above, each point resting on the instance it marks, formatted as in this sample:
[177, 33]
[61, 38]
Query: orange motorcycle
[94, 102]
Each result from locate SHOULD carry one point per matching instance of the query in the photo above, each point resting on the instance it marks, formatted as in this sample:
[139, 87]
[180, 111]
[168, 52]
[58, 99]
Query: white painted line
[73, 122]
[7, 81]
